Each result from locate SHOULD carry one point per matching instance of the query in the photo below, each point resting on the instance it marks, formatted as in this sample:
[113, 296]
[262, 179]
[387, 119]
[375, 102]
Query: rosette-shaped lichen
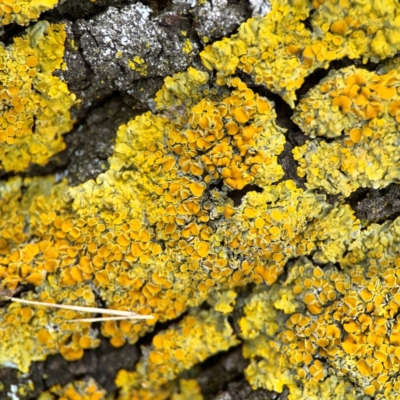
[273, 361]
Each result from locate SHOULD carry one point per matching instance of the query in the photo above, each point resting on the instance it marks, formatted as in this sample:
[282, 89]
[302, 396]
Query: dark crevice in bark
[11, 31]
[294, 135]
[219, 370]
[219, 185]
[73, 10]
[89, 143]
[376, 205]
[101, 363]
[332, 199]
[318, 74]
[237, 195]
[308, 21]
[222, 377]
[289, 166]
[14, 293]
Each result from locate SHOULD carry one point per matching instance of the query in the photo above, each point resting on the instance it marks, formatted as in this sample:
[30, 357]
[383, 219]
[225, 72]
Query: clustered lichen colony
[158, 234]
[32, 97]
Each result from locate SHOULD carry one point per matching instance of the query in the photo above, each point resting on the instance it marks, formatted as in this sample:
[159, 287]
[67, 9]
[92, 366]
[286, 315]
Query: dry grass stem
[100, 319]
[118, 314]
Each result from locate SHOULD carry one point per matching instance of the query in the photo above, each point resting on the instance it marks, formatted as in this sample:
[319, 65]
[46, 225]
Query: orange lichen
[22, 12]
[86, 389]
[179, 251]
[178, 348]
[279, 51]
[39, 340]
[158, 233]
[348, 317]
[365, 156]
[103, 232]
[35, 105]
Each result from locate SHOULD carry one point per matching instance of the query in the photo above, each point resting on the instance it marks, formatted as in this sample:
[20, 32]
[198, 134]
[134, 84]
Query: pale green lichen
[182, 89]
[188, 390]
[223, 301]
[187, 47]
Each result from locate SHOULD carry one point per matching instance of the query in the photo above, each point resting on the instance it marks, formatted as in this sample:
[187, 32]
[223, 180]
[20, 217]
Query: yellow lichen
[344, 326]
[279, 51]
[35, 104]
[40, 340]
[261, 325]
[86, 389]
[182, 89]
[361, 110]
[97, 231]
[223, 302]
[158, 232]
[178, 348]
[139, 65]
[149, 234]
[189, 390]
[187, 47]
[22, 12]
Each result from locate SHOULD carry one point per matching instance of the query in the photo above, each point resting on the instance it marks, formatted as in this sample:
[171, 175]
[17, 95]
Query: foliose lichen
[34, 104]
[360, 111]
[22, 12]
[158, 233]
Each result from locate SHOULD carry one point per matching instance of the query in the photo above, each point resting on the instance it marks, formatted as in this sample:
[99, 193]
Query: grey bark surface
[103, 40]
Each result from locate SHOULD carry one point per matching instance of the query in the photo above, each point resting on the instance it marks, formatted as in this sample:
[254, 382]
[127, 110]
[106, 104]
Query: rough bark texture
[109, 41]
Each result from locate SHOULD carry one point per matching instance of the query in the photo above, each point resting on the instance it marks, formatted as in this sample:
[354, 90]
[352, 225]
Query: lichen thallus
[115, 314]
